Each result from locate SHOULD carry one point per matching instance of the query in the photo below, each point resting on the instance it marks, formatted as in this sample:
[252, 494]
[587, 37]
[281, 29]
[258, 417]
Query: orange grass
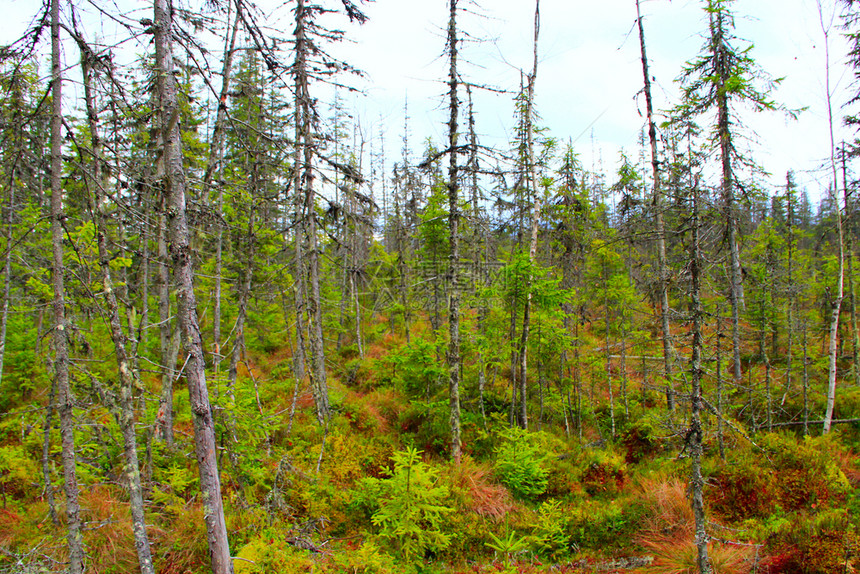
[678, 555]
[484, 496]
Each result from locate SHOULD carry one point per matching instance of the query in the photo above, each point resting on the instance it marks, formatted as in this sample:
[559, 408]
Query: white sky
[589, 73]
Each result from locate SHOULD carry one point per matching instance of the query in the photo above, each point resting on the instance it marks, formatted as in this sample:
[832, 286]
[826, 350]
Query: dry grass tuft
[678, 555]
[671, 512]
[484, 496]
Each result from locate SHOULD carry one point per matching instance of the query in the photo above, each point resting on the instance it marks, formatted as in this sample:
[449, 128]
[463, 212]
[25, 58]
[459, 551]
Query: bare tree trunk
[535, 221]
[695, 433]
[304, 139]
[721, 439]
[46, 456]
[790, 287]
[7, 271]
[805, 382]
[454, 359]
[127, 376]
[204, 429]
[61, 337]
[216, 158]
[840, 285]
[168, 360]
[657, 205]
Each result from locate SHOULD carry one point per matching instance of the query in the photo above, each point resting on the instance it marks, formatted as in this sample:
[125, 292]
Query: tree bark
[65, 404]
[215, 164]
[305, 151]
[657, 206]
[127, 377]
[695, 435]
[204, 429]
[531, 171]
[454, 359]
[840, 279]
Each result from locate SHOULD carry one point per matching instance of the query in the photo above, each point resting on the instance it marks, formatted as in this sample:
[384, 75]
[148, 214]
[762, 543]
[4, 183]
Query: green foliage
[418, 370]
[17, 470]
[603, 525]
[366, 558]
[426, 424]
[550, 534]
[520, 464]
[510, 545]
[270, 552]
[412, 508]
[604, 472]
[820, 543]
[796, 475]
[23, 371]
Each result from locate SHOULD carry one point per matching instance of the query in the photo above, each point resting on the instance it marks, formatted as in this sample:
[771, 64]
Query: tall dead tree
[307, 260]
[125, 365]
[215, 165]
[183, 273]
[657, 206]
[694, 436]
[65, 400]
[836, 303]
[454, 358]
[531, 174]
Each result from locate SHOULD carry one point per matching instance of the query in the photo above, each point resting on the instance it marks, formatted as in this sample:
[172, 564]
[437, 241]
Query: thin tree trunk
[127, 377]
[736, 293]
[454, 359]
[7, 272]
[849, 260]
[305, 151]
[721, 439]
[215, 164]
[46, 455]
[790, 287]
[695, 435]
[168, 362]
[805, 382]
[657, 205]
[840, 279]
[204, 429]
[60, 336]
[535, 220]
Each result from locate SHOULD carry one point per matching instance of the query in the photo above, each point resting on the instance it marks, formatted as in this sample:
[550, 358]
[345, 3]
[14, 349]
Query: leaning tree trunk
[657, 206]
[65, 403]
[204, 429]
[125, 416]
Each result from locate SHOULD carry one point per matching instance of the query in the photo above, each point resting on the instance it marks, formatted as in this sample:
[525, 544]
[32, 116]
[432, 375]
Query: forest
[238, 336]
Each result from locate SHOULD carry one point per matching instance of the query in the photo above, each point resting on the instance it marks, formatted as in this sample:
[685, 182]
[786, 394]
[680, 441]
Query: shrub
[798, 475]
[603, 525]
[17, 471]
[411, 507]
[818, 544]
[549, 535]
[520, 466]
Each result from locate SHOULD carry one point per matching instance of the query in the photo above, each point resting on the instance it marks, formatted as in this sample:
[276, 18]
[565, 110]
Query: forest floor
[374, 490]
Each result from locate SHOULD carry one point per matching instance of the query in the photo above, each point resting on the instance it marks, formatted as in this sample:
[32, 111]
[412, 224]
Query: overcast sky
[589, 73]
